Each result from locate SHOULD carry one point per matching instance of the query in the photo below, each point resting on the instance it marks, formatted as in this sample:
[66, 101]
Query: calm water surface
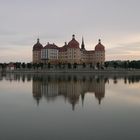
[69, 107]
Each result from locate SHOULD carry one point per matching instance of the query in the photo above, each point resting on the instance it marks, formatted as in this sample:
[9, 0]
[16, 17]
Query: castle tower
[37, 52]
[73, 51]
[99, 53]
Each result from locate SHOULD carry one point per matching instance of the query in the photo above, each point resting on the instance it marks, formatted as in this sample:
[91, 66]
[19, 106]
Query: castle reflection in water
[71, 87]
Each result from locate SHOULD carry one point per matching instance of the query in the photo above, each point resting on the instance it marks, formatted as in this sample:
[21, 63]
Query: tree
[84, 65]
[4, 65]
[115, 65]
[69, 65]
[59, 65]
[125, 65]
[90, 65]
[63, 66]
[23, 65]
[98, 65]
[41, 65]
[49, 65]
[17, 65]
[129, 64]
[29, 65]
[75, 65]
[106, 64]
[35, 65]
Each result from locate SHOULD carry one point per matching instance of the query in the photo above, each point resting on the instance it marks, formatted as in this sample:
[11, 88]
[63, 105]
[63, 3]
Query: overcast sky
[116, 22]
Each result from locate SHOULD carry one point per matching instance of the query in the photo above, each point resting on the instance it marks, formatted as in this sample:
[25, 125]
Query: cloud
[22, 22]
[125, 51]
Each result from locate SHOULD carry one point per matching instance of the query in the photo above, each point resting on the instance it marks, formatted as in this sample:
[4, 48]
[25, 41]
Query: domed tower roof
[37, 46]
[73, 43]
[99, 47]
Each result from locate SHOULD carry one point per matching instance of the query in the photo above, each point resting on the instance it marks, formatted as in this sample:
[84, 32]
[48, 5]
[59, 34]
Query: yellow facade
[70, 53]
[36, 56]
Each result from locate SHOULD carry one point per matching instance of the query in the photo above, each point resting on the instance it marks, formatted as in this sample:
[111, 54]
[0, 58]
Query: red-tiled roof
[51, 46]
[64, 48]
[99, 47]
[73, 43]
[89, 52]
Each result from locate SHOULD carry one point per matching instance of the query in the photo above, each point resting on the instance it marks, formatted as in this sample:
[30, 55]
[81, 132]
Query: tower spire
[99, 41]
[83, 44]
[37, 40]
[73, 36]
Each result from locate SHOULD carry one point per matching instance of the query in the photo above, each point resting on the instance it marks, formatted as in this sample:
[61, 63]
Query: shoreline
[77, 71]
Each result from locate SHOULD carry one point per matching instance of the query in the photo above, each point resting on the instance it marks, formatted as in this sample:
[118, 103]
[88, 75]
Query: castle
[69, 53]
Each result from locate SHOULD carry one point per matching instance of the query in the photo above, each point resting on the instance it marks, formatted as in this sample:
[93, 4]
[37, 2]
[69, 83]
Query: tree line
[134, 64]
[108, 64]
[19, 65]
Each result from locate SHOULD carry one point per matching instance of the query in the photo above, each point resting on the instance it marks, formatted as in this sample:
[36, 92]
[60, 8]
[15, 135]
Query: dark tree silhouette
[69, 65]
[23, 65]
[75, 65]
[84, 65]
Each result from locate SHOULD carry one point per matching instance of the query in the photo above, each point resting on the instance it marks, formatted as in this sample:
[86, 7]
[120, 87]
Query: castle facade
[69, 53]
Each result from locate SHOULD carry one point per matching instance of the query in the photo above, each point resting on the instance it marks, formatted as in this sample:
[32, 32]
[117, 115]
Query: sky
[115, 22]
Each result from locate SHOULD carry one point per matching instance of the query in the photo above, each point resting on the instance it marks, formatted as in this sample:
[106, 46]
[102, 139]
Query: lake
[69, 107]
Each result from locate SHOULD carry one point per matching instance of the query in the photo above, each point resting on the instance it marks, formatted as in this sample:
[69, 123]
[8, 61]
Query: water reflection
[16, 77]
[115, 117]
[128, 79]
[70, 87]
